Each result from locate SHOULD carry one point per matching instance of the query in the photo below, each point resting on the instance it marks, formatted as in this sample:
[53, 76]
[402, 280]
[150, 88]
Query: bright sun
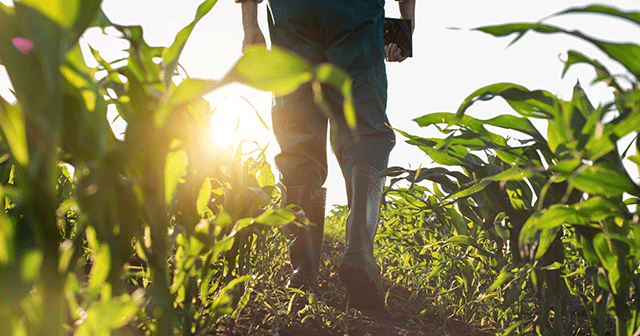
[241, 114]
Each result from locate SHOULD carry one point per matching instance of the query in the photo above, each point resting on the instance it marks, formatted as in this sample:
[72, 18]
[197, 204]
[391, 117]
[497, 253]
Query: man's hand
[252, 35]
[392, 53]
[407, 11]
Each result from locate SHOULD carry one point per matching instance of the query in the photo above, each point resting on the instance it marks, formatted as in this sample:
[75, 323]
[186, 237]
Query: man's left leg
[362, 156]
[364, 153]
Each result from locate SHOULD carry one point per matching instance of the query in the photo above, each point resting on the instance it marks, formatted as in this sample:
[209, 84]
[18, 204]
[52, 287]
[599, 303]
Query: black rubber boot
[358, 268]
[304, 250]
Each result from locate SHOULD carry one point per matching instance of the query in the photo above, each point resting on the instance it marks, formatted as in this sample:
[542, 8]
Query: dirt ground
[402, 316]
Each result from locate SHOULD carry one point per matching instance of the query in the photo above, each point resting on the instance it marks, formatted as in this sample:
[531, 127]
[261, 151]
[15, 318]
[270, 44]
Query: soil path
[404, 315]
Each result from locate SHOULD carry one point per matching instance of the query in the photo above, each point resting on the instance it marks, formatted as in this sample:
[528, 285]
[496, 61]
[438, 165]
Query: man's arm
[407, 11]
[252, 33]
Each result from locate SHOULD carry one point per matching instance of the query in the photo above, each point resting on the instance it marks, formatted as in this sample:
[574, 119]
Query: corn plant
[164, 209]
[546, 198]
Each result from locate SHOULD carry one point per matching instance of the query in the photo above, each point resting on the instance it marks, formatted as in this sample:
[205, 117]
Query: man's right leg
[301, 133]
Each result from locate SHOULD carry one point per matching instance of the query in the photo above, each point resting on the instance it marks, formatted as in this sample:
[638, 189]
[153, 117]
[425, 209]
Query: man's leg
[301, 131]
[301, 134]
[364, 153]
[362, 156]
[358, 268]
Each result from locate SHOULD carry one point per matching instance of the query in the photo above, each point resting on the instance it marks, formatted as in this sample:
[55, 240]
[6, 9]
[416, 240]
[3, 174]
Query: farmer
[349, 34]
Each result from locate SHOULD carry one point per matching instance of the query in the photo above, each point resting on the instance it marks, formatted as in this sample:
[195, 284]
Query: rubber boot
[306, 243]
[358, 269]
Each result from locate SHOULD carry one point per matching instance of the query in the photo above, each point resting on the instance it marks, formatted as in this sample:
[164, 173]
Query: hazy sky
[447, 65]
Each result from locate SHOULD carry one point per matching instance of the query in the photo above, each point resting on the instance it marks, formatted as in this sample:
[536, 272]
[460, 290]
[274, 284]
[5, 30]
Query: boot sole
[362, 291]
[302, 281]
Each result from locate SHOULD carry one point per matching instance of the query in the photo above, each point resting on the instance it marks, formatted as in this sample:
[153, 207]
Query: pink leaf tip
[24, 46]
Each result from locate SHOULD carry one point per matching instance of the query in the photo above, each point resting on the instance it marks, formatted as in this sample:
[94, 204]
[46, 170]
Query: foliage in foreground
[159, 227]
[159, 230]
[517, 227]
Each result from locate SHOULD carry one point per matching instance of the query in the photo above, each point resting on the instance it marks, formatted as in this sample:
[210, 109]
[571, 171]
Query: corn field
[162, 232]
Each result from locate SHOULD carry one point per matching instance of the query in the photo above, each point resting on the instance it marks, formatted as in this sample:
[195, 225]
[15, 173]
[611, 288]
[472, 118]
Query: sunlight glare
[240, 115]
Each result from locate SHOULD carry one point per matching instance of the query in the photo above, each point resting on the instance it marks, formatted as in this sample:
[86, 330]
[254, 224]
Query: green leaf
[460, 120]
[512, 329]
[50, 43]
[630, 123]
[580, 101]
[86, 133]
[30, 265]
[275, 217]
[436, 270]
[221, 247]
[341, 81]
[175, 170]
[536, 104]
[223, 298]
[466, 192]
[520, 195]
[545, 224]
[6, 240]
[90, 14]
[596, 179]
[172, 54]
[633, 17]
[509, 156]
[14, 131]
[101, 265]
[522, 125]
[100, 258]
[512, 174]
[444, 158]
[204, 195]
[458, 221]
[189, 91]
[260, 193]
[547, 236]
[461, 240]
[265, 176]
[500, 225]
[242, 303]
[609, 260]
[519, 28]
[627, 54]
[63, 12]
[565, 131]
[574, 57]
[500, 280]
[557, 139]
[25, 72]
[598, 209]
[105, 316]
[471, 140]
[438, 175]
[145, 85]
[555, 216]
[101, 20]
[272, 70]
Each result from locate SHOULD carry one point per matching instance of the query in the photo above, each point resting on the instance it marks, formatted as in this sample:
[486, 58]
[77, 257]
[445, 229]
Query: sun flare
[241, 115]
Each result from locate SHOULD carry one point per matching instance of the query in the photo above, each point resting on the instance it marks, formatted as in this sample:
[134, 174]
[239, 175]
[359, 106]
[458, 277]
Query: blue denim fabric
[349, 34]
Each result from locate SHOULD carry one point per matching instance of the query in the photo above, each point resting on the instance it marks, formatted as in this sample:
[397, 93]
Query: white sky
[448, 64]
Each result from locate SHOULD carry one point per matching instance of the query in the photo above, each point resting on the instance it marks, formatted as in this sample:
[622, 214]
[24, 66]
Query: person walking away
[349, 34]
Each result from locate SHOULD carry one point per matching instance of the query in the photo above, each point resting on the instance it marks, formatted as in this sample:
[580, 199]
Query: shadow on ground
[272, 310]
